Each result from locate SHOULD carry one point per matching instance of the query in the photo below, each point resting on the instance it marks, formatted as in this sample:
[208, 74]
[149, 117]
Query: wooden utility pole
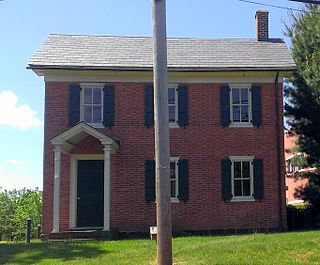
[162, 150]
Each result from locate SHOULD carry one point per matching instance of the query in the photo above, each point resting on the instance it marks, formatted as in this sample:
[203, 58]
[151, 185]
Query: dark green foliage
[311, 191]
[303, 94]
[15, 208]
[6, 208]
[301, 217]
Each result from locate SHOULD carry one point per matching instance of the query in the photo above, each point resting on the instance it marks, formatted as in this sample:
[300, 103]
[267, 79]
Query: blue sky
[25, 24]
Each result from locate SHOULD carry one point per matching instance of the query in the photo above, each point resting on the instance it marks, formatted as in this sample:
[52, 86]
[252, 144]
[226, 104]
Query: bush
[301, 217]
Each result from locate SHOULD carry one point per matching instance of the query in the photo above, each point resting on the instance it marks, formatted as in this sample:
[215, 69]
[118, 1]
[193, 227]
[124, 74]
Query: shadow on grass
[21, 253]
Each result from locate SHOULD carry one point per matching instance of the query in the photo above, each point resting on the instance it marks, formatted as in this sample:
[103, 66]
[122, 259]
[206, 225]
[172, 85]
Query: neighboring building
[226, 132]
[293, 171]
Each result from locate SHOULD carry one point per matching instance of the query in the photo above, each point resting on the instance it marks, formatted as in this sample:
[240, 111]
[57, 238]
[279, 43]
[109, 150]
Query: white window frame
[176, 161]
[91, 85]
[242, 159]
[175, 123]
[241, 124]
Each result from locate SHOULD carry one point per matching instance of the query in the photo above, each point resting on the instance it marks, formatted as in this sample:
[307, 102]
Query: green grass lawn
[283, 248]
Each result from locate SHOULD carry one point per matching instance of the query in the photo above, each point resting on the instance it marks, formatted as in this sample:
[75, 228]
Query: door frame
[73, 187]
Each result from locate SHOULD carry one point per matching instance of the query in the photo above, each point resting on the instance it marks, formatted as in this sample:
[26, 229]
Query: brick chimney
[262, 24]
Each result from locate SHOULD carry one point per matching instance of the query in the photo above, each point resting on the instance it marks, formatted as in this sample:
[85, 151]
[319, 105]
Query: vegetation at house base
[281, 248]
[301, 217]
[303, 95]
[15, 208]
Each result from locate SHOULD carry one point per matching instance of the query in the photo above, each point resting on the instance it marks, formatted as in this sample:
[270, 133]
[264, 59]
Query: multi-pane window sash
[92, 105]
[240, 105]
[173, 178]
[242, 178]
[172, 104]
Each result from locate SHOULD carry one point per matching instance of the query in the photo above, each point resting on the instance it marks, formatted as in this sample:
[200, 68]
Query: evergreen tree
[302, 94]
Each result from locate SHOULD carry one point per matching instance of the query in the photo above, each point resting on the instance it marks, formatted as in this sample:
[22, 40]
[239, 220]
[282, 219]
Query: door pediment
[69, 138]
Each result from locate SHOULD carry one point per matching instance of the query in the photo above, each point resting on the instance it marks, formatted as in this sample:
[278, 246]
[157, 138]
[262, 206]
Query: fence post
[39, 231]
[28, 230]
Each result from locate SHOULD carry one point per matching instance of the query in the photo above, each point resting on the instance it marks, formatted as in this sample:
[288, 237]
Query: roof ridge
[170, 38]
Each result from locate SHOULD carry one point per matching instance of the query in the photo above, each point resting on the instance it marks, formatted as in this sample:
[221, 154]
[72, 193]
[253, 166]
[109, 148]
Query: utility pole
[162, 149]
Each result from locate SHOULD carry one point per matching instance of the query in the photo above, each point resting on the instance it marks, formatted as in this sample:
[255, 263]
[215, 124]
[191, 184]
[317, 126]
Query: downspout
[279, 151]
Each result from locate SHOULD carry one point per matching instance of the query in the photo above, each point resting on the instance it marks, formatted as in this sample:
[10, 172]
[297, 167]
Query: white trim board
[173, 77]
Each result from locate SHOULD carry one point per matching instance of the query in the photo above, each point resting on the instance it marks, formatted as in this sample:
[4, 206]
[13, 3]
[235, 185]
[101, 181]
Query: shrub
[301, 217]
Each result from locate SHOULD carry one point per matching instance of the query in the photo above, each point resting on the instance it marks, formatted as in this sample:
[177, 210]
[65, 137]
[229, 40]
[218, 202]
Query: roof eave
[38, 69]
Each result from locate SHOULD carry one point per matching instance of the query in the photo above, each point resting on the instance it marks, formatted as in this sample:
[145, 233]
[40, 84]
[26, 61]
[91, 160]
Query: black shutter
[74, 104]
[256, 105]
[183, 112]
[150, 184]
[226, 179]
[225, 105]
[258, 178]
[148, 105]
[183, 180]
[108, 105]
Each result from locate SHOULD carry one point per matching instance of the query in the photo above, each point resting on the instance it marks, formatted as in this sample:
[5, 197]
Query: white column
[106, 190]
[56, 189]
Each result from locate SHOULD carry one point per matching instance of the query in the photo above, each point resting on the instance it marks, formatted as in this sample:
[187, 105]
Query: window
[295, 163]
[179, 180]
[91, 103]
[242, 177]
[173, 104]
[174, 178]
[178, 110]
[240, 105]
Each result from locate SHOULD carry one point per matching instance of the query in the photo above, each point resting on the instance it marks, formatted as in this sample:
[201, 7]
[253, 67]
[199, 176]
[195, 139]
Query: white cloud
[14, 115]
[15, 162]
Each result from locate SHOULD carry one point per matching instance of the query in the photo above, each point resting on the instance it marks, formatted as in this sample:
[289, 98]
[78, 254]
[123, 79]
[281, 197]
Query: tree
[15, 207]
[6, 210]
[27, 204]
[302, 92]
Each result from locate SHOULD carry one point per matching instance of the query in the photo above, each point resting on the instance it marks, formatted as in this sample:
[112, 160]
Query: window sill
[240, 125]
[96, 125]
[173, 125]
[175, 200]
[243, 199]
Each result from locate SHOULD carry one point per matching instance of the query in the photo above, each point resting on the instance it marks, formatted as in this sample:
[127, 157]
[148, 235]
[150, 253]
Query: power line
[269, 5]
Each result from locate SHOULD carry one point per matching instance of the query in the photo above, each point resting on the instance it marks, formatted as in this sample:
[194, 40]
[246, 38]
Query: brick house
[293, 172]
[226, 132]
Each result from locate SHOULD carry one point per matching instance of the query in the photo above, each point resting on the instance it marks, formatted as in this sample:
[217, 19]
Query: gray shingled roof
[184, 54]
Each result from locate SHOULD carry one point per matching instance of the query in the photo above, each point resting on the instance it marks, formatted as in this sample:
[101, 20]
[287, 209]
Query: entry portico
[63, 143]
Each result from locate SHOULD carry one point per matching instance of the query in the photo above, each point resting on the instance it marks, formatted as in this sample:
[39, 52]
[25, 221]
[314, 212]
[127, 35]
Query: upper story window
[240, 105]
[173, 104]
[92, 103]
[177, 105]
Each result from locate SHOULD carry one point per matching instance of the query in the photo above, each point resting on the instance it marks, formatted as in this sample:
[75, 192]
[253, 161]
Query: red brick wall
[291, 182]
[204, 143]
